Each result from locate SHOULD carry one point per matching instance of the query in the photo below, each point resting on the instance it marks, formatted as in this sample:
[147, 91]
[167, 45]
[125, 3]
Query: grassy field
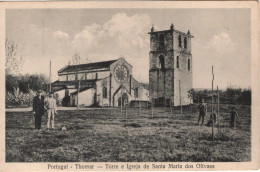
[105, 136]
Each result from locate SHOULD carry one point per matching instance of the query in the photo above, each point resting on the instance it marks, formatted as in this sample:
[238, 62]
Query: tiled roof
[88, 66]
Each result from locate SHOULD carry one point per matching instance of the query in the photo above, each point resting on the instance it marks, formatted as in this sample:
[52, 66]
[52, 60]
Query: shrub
[18, 98]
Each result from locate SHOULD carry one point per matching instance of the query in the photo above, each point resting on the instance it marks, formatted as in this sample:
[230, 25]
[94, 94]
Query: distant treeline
[228, 96]
[26, 82]
[20, 89]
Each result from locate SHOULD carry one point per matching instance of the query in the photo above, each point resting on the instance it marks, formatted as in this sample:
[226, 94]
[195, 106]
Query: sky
[221, 38]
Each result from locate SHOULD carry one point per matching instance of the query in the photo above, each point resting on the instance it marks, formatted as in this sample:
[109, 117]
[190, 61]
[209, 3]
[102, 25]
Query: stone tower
[170, 67]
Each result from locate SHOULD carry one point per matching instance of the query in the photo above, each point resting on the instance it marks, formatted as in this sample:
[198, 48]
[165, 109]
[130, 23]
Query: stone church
[105, 83]
[170, 72]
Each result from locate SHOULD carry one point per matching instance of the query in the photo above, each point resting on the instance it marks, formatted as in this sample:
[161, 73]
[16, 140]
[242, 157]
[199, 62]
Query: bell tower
[170, 61]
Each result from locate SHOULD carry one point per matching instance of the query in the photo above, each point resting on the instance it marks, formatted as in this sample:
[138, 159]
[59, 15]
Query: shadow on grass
[134, 125]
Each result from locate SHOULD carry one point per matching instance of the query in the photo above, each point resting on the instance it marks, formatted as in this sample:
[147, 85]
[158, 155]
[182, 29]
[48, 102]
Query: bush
[229, 96]
[19, 99]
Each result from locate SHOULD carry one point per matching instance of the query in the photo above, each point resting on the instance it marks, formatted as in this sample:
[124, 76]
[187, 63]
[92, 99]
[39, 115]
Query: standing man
[38, 109]
[202, 111]
[233, 116]
[51, 110]
[212, 118]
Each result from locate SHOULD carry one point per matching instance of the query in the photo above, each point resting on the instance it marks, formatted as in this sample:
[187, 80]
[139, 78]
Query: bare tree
[13, 60]
[87, 60]
[76, 59]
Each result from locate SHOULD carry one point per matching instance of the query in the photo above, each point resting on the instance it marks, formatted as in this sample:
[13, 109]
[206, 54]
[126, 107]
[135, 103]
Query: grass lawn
[104, 136]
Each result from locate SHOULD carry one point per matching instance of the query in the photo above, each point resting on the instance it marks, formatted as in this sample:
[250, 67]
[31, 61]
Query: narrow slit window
[177, 63]
[185, 42]
[136, 92]
[104, 92]
[180, 41]
[188, 64]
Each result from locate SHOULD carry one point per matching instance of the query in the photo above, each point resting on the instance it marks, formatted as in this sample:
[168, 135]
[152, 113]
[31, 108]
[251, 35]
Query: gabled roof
[88, 66]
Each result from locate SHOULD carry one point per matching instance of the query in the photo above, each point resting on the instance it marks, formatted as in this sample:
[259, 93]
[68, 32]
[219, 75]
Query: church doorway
[124, 99]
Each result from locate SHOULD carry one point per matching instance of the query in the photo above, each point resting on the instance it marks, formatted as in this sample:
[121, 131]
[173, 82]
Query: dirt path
[59, 108]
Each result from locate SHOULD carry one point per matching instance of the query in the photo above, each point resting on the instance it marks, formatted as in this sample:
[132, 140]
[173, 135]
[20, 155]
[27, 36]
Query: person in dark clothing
[212, 118]
[233, 117]
[202, 111]
[38, 109]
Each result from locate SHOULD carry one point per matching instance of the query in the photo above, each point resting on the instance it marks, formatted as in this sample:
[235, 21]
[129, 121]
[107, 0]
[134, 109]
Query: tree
[76, 61]
[26, 82]
[13, 60]
[233, 94]
[11, 82]
[87, 60]
[191, 95]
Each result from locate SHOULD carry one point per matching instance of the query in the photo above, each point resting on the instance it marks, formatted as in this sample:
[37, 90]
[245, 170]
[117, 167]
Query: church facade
[170, 71]
[106, 83]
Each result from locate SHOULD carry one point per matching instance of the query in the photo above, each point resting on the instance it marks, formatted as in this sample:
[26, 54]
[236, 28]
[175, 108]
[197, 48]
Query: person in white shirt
[51, 110]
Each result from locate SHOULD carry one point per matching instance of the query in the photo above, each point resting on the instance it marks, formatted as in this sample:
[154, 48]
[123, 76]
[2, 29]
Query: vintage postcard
[129, 86]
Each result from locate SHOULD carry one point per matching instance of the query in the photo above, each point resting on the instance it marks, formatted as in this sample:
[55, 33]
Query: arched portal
[124, 99]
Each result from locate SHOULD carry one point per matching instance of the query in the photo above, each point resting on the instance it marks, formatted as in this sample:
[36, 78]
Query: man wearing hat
[38, 109]
[51, 110]
[202, 111]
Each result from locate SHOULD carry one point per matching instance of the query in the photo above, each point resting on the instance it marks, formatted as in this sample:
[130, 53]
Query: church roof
[67, 83]
[88, 66]
[135, 84]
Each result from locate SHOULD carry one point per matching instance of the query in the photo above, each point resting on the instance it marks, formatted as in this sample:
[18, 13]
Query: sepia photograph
[128, 85]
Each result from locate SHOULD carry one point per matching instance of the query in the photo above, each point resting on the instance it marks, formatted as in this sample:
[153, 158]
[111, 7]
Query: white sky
[221, 38]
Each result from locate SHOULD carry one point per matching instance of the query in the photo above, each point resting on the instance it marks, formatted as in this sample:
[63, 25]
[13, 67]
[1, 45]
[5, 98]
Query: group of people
[213, 116]
[42, 105]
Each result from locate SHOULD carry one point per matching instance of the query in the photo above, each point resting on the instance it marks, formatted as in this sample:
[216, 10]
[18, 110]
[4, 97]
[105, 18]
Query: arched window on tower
[188, 64]
[162, 62]
[179, 38]
[104, 92]
[178, 62]
[185, 42]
